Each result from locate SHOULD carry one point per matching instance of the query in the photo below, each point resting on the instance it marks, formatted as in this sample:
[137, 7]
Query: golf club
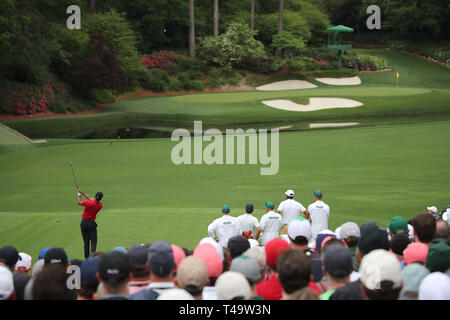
[73, 172]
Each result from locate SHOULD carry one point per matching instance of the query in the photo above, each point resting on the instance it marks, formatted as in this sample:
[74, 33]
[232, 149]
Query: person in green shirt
[337, 267]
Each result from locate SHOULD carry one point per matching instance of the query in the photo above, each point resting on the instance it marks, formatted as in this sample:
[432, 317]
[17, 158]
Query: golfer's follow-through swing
[88, 225]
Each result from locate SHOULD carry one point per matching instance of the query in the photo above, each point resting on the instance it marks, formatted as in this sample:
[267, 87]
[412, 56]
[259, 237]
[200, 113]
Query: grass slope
[366, 174]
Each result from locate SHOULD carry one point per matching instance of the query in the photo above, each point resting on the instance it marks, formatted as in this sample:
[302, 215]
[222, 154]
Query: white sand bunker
[341, 81]
[333, 125]
[286, 85]
[314, 104]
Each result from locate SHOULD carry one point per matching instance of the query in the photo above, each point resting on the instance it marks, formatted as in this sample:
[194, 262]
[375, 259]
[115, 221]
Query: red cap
[208, 253]
[178, 255]
[274, 248]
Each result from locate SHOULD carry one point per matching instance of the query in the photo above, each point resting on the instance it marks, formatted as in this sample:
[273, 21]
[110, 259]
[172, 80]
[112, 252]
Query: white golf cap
[338, 232]
[299, 228]
[432, 208]
[289, 193]
[25, 263]
[349, 229]
[175, 294]
[215, 244]
[435, 286]
[231, 285]
[6, 283]
[380, 265]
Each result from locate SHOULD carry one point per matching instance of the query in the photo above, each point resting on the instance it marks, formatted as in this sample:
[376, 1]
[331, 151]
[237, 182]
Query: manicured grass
[366, 174]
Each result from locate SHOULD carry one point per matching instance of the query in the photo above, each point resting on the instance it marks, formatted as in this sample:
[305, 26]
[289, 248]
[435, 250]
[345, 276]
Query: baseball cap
[435, 286]
[438, 258]
[114, 267]
[160, 258]
[210, 257]
[349, 229]
[121, 249]
[6, 283]
[56, 255]
[321, 236]
[9, 255]
[43, 252]
[289, 193]
[338, 232]
[398, 223]
[175, 294]
[218, 247]
[338, 262]
[237, 245]
[99, 196]
[138, 254]
[273, 249]
[249, 207]
[178, 255]
[377, 266]
[192, 271]
[247, 266]
[372, 238]
[231, 285]
[37, 268]
[415, 252]
[317, 193]
[89, 269]
[269, 205]
[259, 254]
[399, 243]
[24, 263]
[299, 230]
[433, 209]
[412, 275]
[225, 208]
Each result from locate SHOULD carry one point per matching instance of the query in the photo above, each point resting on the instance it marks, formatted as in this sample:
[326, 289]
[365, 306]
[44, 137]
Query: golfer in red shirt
[88, 225]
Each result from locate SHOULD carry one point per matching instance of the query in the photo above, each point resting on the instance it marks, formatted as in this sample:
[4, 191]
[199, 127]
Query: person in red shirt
[88, 225]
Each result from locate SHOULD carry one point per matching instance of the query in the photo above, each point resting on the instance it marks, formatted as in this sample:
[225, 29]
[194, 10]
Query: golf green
[366, 174]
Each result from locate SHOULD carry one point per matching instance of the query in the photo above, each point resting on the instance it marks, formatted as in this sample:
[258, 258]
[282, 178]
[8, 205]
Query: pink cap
[415, 252]
[178, 255]
[208, 253]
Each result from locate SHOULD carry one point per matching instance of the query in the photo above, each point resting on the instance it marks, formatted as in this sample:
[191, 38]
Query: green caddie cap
[317, 193]
[225, 208]
[438, 258]
[269, 205]
[398, 223]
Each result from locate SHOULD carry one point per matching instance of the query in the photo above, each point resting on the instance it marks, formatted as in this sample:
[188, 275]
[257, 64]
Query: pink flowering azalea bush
[21, 99]
[159, 59]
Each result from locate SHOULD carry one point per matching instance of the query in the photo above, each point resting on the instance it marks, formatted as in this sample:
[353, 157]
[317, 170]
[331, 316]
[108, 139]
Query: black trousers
[89, 233]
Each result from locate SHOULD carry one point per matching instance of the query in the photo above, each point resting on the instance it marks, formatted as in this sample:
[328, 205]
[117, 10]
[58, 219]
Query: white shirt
[248, 222]
[225, 228]
[291, 209]
[319, 213]
[209, 293]
[271, 224]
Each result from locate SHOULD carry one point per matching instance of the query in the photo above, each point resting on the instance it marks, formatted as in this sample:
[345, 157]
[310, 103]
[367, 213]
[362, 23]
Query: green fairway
[366, 174]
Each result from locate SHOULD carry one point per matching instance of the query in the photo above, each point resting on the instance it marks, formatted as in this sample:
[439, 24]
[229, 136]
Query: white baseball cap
[338, 232]
[231, 285]
[380, 265]
[435, 286]
[289, 193]
[175, 294]
[6, 283]
[432, 208]
[215, 244]
[25, 263]
[297, 228]
[349, 229]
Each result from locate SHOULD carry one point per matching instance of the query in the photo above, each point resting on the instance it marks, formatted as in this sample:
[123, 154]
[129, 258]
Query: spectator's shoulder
[147, 294]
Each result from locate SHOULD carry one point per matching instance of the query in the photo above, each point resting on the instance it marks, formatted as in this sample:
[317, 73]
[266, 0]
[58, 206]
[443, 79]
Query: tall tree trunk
[216, 18]
[280, 24]
[191, 29]
[252, 17]
[92, 6]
